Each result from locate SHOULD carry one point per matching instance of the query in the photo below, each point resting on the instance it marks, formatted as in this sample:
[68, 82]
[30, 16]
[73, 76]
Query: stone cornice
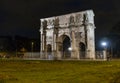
[69, 19]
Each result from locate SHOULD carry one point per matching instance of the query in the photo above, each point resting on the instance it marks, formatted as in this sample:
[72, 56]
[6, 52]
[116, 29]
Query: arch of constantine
[69, 36]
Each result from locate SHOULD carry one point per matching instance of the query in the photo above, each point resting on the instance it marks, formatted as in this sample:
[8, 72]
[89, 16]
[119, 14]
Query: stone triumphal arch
[68, 36]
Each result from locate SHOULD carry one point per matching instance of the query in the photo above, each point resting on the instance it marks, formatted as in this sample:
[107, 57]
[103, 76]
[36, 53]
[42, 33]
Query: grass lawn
[28, 71]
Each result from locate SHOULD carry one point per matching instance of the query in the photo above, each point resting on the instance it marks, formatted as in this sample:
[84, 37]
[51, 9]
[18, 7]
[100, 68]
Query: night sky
[22, 17]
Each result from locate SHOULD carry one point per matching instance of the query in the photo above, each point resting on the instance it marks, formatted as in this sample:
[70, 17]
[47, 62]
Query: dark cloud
[22, 16]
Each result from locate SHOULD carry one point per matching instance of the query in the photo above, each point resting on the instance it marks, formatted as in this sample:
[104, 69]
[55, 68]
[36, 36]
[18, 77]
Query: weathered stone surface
[79, 27]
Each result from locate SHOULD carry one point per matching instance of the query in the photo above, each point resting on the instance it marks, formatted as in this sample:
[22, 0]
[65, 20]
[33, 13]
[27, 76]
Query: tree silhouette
[114, 36]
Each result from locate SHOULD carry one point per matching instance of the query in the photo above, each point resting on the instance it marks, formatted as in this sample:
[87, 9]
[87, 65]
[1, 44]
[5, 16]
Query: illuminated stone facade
[77, 27]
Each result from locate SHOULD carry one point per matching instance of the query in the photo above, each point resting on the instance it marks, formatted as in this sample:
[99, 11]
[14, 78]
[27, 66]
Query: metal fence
[99, 55]
[48, 55]
[61, 55]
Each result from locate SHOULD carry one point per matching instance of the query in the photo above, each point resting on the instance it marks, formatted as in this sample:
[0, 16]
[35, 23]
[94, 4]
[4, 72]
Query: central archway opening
[65, 46]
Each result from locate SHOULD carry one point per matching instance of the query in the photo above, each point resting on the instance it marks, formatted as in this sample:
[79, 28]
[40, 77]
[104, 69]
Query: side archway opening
[49, 51]
[82, 50]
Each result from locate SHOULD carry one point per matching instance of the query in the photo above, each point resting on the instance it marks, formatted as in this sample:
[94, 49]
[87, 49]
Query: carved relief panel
[78, 18]
[71, 20]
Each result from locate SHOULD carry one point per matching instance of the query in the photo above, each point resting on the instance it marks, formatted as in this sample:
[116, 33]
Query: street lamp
[104, 44]
[32, 43]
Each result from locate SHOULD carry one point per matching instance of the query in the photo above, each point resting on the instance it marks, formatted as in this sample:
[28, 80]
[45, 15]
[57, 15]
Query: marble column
[90, 42]
[74, 54]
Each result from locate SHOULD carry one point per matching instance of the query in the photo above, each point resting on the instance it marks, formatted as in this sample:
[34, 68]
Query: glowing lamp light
[104, 44]
[69, 48]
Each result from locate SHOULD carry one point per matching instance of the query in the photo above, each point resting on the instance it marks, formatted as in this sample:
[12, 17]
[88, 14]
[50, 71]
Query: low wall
[32, 55]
